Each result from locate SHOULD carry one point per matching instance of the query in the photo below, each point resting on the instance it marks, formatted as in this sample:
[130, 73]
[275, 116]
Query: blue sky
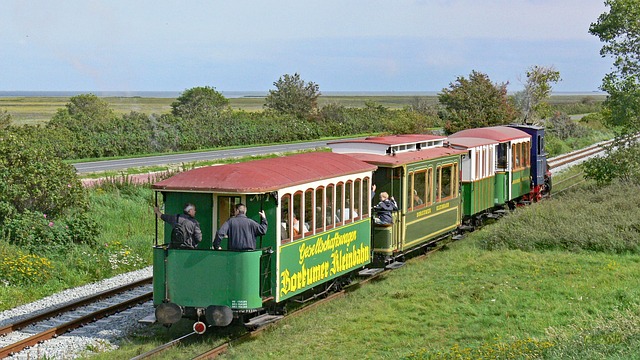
[240, 45]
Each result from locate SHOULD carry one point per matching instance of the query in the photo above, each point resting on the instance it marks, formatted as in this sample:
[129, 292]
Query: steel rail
[163, 347]
[73, 324]
[73, 305]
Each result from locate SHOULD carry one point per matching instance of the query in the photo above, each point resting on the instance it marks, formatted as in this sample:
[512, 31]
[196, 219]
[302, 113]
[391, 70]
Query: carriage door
[226, 209]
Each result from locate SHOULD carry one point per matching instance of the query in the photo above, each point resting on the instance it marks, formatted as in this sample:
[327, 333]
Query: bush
[622, 161]
[561, 126]
[37, 232]
[33, 178]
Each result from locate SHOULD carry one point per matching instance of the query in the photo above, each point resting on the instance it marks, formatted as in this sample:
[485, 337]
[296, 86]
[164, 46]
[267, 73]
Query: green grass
[469, 302]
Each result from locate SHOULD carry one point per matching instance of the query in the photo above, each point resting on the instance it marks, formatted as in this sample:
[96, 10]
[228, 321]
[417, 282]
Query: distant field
[39, 110]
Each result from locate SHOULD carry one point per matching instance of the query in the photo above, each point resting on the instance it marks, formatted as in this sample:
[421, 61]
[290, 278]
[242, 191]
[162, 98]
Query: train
[442, 185]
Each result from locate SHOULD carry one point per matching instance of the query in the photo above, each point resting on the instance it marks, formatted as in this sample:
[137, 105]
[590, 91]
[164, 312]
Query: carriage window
[330, 209]
[366, 200]
[527, 154]
[502, 155]
[478, 165]
[309, 212]
[490, 164]
[226, 208]
[419, 189]
[339, 202]
[320, 210]
[409, 189]
[285, 218]
[447, 182]
[348, 202]
[357, 199]
[428, 196]
[516, 155]
[296, 225]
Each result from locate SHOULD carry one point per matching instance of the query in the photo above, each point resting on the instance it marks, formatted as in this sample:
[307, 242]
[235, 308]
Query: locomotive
[441, 184]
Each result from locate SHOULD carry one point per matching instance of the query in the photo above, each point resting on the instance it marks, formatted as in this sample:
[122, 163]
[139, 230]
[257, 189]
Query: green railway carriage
[322, 228]
[317, 207]
[478, 174]
[423, 177]
[512, 160]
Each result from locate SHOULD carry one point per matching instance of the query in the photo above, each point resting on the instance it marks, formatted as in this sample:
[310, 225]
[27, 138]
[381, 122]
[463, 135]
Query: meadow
[489, 296]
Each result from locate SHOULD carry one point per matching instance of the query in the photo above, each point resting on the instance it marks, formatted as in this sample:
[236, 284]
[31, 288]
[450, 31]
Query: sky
[341, 45]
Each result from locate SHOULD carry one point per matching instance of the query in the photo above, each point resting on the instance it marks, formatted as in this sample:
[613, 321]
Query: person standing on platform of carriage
[189, 226]
[384, 209]
[241, 230]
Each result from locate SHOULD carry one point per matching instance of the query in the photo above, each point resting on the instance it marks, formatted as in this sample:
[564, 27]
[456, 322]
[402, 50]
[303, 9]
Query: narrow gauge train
[440, 185]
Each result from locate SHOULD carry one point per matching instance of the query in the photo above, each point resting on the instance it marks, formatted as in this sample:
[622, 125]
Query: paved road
[105, 165]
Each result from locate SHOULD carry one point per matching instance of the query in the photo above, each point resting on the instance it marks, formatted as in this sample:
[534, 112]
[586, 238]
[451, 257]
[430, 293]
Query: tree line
[39, 187]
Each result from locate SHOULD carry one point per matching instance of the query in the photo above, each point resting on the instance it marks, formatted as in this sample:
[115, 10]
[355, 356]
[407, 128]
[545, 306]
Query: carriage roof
[406, 157]
[265, 175]
[470, 142]
[392, 139]
[498, 133]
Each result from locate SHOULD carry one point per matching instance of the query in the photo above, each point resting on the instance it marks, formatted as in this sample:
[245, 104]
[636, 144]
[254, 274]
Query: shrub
[561, 126]
[622, 161]
[33, 178]
[37, 232]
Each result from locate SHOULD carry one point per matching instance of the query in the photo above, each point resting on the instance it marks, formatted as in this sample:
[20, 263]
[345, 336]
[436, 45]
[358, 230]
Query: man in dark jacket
[188, 222]
[241, 230]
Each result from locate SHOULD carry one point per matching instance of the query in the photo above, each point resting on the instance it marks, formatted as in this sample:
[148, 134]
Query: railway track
[223, 348]
[577, 156]
[59, 320]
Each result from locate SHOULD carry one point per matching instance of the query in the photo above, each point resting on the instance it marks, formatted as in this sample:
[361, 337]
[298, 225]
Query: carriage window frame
[330, 212]
[502, 160]
[349, 201]
[339, 200]
[366, 197]
[516, 150]
[308, 215]
[357, 199]
[298, 211]
[320, 216]
[478, 164]
[285, 219]
[453, 182]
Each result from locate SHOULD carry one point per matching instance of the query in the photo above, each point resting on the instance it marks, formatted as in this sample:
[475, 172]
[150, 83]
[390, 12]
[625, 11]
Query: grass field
[39, 110]
[469, 302]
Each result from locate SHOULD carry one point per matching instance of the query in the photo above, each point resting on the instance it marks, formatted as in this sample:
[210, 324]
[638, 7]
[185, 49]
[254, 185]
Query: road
[111, 165]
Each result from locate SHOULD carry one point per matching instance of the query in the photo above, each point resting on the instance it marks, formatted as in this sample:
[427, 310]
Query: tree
[199, 102]
[34, 179]
[475, 102]
[83, 113]
[293, 96]
[619, 30]
[531, 100]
